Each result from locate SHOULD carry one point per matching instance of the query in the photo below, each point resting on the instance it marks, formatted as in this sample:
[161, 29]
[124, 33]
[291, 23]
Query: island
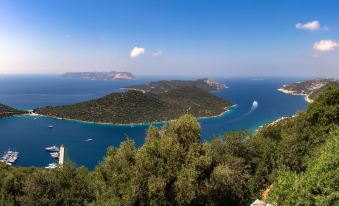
[310, 88]
[164, 85]
[6, 111]
[133, 106]
[112, 75]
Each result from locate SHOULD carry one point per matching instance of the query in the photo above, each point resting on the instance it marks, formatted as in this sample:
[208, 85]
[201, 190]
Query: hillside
[310, 88]
[164, 85]
[113, 75]
[6, 111]
[139, 107]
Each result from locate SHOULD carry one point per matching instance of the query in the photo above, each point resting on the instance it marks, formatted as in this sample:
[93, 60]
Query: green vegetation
[314, 94]
[296, 158]
[138, 107]
[165, 86]
[312, 87]
[318, 185]
[6, 111]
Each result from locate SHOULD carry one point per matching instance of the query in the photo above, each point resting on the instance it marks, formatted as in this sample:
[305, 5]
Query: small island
[112, 75]
[6, 111]
[164, 86]
[134, 106]
[310, 89]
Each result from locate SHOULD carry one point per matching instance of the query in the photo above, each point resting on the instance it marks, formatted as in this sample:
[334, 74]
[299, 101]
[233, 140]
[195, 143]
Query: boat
[52, 149]
[35, 118]
[50, 126]
[88, 140]
[54, 155]
[9, 157]
[52, 166]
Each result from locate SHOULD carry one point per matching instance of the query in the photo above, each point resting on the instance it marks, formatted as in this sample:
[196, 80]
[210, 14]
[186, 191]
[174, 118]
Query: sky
[226, 38]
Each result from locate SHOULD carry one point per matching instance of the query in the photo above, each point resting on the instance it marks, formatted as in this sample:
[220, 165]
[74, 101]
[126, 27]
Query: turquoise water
[30, 137]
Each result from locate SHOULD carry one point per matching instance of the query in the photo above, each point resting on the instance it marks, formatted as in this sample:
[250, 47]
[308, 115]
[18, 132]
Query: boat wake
[254, 106]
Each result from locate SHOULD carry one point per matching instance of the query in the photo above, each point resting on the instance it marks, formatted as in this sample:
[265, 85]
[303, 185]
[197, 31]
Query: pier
[61, 155]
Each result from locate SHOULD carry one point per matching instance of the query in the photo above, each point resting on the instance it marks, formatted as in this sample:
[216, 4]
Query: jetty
[61, 155]
[56, 153]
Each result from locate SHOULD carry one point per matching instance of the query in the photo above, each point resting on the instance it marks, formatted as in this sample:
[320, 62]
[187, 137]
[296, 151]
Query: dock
[61, 155]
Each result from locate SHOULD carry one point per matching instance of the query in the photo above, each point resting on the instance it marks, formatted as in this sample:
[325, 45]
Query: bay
[30, 137]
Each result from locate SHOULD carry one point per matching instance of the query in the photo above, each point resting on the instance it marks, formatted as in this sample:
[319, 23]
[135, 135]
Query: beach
[307, 98]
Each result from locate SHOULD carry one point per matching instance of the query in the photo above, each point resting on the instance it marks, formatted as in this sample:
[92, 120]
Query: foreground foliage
[174, 167]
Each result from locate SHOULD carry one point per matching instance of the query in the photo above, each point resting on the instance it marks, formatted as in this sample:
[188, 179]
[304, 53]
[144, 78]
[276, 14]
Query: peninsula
[135, 106]
[164, 86]
[6, 111]
[310, 89]
[113, 75]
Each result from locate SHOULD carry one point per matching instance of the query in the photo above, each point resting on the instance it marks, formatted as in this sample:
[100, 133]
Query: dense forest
[294, 162]
[139, 107]
[6, 111]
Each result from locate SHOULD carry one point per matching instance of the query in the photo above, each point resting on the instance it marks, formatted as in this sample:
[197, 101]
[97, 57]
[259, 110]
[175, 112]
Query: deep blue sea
[30, 137]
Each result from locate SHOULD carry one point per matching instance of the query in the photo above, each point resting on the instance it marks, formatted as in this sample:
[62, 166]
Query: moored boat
[52, 149]
[51, 166]
[54, 155]
[10, 157]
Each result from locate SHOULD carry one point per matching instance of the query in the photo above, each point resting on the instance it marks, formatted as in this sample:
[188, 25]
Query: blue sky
[184, 37]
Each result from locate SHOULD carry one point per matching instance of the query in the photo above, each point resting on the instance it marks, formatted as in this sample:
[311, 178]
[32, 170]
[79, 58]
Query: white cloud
[137, 51]
[312, 26]
[325, 45]
[157, 53]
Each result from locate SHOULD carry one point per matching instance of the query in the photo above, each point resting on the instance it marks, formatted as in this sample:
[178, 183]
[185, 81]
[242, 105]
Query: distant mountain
[310, 88]
[165, 86]
[113, 75]
[6, 111]
[142, 107]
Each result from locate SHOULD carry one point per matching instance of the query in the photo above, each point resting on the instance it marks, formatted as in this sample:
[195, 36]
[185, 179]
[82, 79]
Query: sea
[257, 102]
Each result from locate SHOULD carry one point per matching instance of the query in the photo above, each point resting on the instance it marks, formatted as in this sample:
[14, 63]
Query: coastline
[275, 122]
[31, 113]
[291, 92]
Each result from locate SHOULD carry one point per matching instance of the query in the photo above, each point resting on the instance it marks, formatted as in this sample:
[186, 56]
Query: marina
[10, 157]
[55, 153]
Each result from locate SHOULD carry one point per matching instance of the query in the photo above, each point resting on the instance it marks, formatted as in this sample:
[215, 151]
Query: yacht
[10, 157]
[88, 140]
[52, 149]
[50, 126]
[54, 155]
[52, 166]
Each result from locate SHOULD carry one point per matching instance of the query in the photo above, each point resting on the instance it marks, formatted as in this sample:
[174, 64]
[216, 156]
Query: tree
[317, 186]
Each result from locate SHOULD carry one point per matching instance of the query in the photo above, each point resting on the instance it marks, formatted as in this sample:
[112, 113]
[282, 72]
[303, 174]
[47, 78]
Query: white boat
[52, 166]
[50, 126]
[52, 149]
[87, 140]
[35, 118]
[54, 155]
[10, 157]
